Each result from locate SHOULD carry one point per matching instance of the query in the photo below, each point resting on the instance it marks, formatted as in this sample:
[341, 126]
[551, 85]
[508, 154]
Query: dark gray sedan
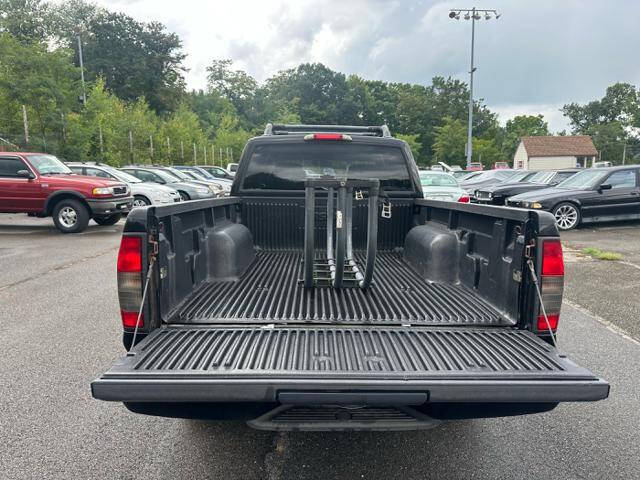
[188, 190]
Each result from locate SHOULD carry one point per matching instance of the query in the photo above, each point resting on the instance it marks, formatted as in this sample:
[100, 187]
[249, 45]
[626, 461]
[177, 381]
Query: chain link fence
[129, 150]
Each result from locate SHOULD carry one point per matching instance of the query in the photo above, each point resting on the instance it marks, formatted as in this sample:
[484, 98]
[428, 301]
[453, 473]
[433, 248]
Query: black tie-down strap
[343, 224]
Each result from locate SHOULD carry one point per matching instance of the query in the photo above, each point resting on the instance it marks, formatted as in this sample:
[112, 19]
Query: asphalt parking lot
[60, 329]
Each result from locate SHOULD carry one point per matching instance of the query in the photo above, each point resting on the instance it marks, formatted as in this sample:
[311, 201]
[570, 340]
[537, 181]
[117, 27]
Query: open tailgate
[301, 364]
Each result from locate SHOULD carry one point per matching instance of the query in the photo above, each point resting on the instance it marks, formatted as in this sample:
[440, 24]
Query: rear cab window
[286, 166]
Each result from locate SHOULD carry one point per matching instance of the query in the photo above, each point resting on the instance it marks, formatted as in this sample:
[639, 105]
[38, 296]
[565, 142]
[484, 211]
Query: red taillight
[130, 254]
[130, 280]
[129, 319]
[327, 136]
[552, 262]
[553, 322]
[551, 285]
[464, 199]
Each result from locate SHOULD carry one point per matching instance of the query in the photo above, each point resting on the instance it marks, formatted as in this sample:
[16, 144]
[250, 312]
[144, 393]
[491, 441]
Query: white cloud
[551, 113]
[536, 57]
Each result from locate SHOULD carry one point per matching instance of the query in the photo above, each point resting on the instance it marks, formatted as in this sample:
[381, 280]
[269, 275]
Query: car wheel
[70, 216]
[140, 201]
[107, 219]
[567, 216]
[184, 196]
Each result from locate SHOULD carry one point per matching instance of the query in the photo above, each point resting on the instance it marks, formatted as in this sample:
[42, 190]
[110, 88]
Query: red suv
[41, 185]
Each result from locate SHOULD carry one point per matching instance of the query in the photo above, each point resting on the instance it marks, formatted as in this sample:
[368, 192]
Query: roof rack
[371, 131]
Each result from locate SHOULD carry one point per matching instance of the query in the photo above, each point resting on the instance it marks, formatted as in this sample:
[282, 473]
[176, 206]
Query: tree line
[136, 108]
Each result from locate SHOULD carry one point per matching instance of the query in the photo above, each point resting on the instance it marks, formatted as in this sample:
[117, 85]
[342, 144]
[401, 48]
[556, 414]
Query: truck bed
[269, 291]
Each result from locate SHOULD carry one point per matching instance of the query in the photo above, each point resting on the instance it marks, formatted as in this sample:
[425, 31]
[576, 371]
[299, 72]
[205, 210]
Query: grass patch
[600, 254]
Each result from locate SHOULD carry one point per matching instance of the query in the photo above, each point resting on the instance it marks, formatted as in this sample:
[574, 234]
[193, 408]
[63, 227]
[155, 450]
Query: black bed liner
[270, 291]
[261, 363]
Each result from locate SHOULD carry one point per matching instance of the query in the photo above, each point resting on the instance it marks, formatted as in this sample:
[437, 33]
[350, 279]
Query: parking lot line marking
[17, 232]
[624, 262]
[606, 323]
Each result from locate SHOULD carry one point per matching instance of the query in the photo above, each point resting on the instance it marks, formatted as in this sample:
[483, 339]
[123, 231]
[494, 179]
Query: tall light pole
[84, 95]
[472, 14]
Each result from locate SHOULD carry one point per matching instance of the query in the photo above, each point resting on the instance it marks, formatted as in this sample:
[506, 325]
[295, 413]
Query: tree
[237, 86]
[46, 82]
[412, 141]
[98, 133]
[522, 126]
[317, 94]
[450, 140]
[230, 135]
[621, 103]
[135, 59]
[486, 152]
[183, 130]
[26, 20]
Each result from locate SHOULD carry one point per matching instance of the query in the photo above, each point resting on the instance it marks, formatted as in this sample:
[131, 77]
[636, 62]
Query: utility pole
[182, 151]
[151, 147]
[204, 149]
[169, 149]
[194, 153]
[221, 159]
[84, 95]
[101, 142]
[130, 147]
[624, 153]
[25, 121]
[473, 15]
[213, 155]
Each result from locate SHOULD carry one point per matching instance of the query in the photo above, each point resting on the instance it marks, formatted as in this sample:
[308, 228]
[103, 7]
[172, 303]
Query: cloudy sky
[538, 56]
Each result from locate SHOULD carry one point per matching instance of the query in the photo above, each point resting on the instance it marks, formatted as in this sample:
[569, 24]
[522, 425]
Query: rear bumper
[110, 206]
[169, 390]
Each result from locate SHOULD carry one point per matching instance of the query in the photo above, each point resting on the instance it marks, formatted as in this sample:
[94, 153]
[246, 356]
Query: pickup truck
[40, 185]
[327, 294]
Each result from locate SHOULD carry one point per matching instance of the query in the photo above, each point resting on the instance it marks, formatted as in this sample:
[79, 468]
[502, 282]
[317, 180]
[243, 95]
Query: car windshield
[196, 175]
[166, 176]
[122, 176]
[177, 173]
[202, 173]
[521, 177]
[583, 180]
[489, 174]
[48, 165]
[542, 177]
[435, 180]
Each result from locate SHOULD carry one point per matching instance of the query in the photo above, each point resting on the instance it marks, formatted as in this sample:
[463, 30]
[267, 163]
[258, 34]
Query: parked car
[217, 172]
[214, 185]
[422, 311]
[526, 182]
[436, 168]
[602, 164]
[41, 185]
[198, 173]
[442, 186]
[500, 165]
[232, 168]
[486, 178]
[187, 190]
[592, 195]
[224, 187]
[475, 167]
[461, 175]
[144, 193]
